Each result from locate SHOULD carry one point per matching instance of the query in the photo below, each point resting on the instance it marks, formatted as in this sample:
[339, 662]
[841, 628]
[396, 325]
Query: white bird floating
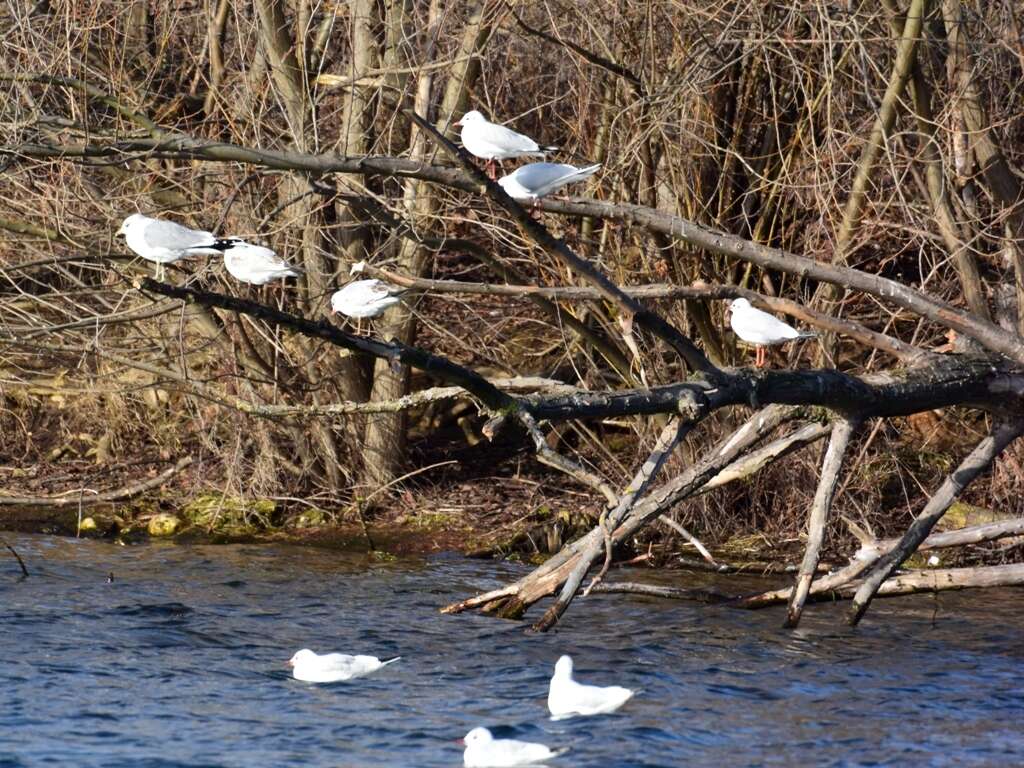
[365, 298]
[567, 698]
[256, 264]
[485, 751]
[490, 141]
[312, 667]
[761, 329]
[166, 242]
[534, 181]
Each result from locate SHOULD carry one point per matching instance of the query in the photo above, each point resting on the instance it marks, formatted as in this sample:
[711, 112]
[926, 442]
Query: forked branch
[842, 431]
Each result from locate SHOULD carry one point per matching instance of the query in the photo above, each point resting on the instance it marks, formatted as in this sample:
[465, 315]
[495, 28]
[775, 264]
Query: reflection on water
[180, 661]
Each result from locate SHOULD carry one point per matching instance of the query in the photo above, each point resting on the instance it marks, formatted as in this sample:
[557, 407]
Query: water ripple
[180, 663]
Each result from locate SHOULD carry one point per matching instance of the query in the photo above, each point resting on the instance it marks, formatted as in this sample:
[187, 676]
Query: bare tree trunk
[854, 210]
[288, 73]
[945, 219]
[357, 122]
[1003, 183]
[385, 433]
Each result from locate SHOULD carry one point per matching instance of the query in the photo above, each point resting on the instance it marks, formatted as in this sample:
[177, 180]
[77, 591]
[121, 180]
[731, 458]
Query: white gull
[534, 181]
[490, 141]
[567, 698]
[311, 667]
[761, 329]
[365, 298]
[256, 264]
[485, 751]
[166, 242]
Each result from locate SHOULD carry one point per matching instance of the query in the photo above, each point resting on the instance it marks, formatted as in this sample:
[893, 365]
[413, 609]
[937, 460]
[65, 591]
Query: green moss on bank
[233, 515]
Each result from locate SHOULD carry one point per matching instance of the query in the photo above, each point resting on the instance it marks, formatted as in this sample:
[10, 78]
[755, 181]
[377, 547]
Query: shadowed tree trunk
[386, 433]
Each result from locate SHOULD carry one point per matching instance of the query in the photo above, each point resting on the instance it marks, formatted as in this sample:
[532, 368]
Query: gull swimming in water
[311, 667]
[567, 698]
[166, 242]
[485, 751]
[761, 329]
[535, 180]
[256, 264]
[490, 141]
[365, 298]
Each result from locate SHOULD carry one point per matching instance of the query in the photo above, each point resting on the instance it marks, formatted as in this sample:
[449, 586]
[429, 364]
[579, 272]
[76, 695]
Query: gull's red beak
[291, 663]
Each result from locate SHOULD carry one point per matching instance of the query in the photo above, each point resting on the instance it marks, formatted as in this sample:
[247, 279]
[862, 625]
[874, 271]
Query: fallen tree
[936, 382]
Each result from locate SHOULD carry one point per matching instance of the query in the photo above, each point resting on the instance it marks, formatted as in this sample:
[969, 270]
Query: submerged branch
[13, 551]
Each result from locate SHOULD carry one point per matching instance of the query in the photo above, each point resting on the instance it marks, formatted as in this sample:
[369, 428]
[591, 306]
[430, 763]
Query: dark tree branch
[396, 351]
[24, 570]
[589, 56]
[188, 147]
[946, 380]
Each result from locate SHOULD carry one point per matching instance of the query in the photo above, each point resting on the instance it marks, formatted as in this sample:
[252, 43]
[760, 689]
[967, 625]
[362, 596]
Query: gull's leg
[760, 361]
[492, 172]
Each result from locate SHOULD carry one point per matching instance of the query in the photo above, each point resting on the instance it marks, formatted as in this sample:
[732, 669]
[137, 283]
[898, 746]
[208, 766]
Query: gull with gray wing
[535, 180]
[485, 751]
[365, 298]
[165, 242]
[256, 264]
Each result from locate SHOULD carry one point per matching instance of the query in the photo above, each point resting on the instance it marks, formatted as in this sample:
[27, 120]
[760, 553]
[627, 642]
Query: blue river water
[180, 660]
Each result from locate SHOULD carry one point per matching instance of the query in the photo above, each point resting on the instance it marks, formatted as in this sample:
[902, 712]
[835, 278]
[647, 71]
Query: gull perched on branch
[761, 329]
[485, 751]
[166, 242]
[567, 698]
[490, 141]
[535, 180]
[256, 264]
[365, 298]
[312, 667]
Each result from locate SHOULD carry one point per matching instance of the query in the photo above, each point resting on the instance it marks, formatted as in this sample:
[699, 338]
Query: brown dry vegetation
[751, 118]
